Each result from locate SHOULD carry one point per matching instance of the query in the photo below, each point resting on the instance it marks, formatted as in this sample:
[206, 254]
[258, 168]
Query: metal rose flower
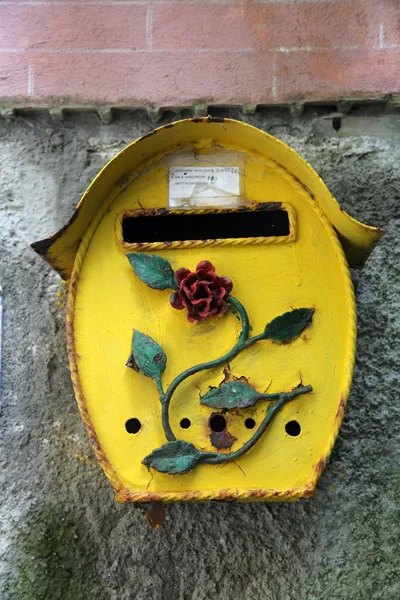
[202, 292]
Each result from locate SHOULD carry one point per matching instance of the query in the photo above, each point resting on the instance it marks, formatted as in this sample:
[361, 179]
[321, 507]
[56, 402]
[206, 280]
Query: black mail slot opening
[171, 227]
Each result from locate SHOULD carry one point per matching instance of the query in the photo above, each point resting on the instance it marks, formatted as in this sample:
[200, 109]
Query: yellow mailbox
[211, 322]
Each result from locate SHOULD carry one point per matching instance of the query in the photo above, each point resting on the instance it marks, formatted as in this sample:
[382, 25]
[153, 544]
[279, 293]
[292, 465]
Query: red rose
[203, 293]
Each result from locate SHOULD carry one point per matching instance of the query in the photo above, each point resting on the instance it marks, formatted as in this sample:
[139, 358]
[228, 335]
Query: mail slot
[211, 320]
[266, 220]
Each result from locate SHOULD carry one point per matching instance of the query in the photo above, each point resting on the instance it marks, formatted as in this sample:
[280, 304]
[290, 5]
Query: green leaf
[233, 394]
[147, 356]
[175, 458]
[154, 271]
[289, 326]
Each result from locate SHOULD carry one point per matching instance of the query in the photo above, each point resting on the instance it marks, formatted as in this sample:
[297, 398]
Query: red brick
[249, 25]
[388, 16]
[73, 26]
[193, 26]
[13, 75]
[133, 2]
[337, 23]
[189, 65]
[328, 75]
[159, 78]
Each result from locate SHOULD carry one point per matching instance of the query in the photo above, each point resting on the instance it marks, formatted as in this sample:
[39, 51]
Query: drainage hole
[133, 425]
[250, 423]
[185, 423]
[293, 428]
[218, 423]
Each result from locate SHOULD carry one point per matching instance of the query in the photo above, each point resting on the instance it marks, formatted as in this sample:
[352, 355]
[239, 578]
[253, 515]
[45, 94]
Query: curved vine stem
[242, 342]
[159, 385]
[214, 458]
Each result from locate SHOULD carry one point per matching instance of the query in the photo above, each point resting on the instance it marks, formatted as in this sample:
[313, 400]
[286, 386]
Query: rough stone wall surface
[62, 536]
[180, 53]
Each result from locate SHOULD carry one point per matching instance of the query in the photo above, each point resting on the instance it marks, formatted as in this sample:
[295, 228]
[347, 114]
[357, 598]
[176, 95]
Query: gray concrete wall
[62, 536]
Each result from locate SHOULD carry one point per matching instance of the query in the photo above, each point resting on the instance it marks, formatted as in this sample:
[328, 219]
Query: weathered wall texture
[61, 534]
[183, 53]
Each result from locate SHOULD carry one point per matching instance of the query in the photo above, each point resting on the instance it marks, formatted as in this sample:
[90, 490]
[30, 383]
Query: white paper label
[204, 186]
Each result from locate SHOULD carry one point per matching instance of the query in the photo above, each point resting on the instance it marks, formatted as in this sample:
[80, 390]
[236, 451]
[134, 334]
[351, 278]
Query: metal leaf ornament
[147, 356]
[289, 326]
[154, 271]
[174, 458]
[230, 395]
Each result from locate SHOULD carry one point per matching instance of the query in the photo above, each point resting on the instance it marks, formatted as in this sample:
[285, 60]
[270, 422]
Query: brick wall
[183, 52]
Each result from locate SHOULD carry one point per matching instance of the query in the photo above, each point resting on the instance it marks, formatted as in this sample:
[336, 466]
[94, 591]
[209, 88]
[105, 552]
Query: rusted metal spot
[340, 410]
[362, 253]
[94, 442]
[227, 373]
[222, 439]
[309, 191]
[259, 493]
[149, 497]
[159, 358]
[145, 212]
[207, 120]
[122, 180]
[42, 247]
[242, 378]
[156, 514]
[319, 467]
[132, 364]
[268, 205]
[229, 377]
[147, 135]
[305, 188]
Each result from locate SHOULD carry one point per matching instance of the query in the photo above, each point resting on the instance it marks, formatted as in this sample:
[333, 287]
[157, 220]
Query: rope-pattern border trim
[124, 495]
[207, 243]
[228, 495]
[183, 244]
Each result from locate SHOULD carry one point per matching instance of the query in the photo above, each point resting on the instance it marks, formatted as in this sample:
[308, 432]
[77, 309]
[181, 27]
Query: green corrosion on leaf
[175, 458]
[154, 271]
[230, 395]
[147, 356]
[289, 326]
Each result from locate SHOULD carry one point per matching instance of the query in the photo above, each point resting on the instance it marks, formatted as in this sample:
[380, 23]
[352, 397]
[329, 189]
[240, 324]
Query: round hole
[293, 428]
[185, 423]
[250, 423]
[133, 425]
[218, 423]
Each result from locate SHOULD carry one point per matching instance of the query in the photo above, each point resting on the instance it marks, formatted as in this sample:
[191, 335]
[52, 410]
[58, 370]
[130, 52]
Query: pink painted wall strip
[183, 52]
